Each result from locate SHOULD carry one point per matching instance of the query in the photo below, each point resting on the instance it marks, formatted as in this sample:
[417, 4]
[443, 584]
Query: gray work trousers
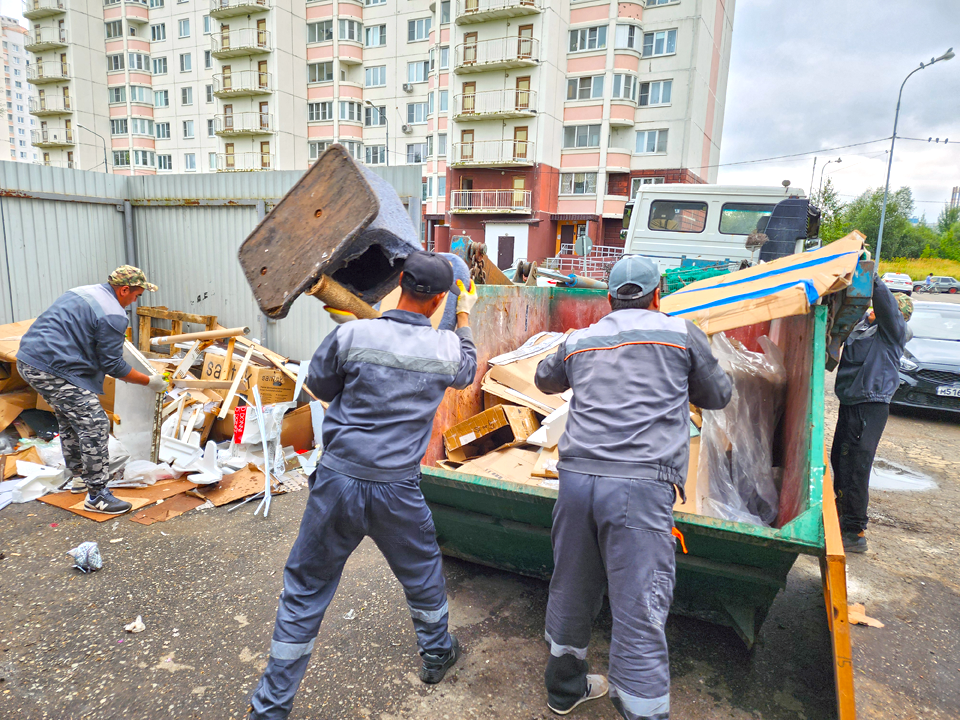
[614, 534]
[340, 512]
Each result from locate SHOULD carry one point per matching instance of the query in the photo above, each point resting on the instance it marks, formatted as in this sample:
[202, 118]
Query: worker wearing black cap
[384, 380]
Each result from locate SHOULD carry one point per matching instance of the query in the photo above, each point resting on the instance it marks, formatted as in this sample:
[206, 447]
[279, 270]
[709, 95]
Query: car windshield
[935, 324]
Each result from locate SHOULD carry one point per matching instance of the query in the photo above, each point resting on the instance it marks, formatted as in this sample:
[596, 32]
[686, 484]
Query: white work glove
[157, 384]
[339, 316]
[467, 298]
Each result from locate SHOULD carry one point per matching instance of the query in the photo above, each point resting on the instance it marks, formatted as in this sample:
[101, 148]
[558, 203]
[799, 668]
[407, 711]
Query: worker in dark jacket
[384, 380]
[622, 456]
[867, 378]
[65, 356]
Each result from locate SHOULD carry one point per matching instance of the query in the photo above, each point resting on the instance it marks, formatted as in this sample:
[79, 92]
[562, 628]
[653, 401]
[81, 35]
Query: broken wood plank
[228, 400]
[207, 384]
[161, 313]
[203, 335]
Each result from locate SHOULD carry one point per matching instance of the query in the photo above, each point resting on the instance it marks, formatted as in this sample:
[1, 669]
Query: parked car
[930, 366]
[939, 284]
[898, 282]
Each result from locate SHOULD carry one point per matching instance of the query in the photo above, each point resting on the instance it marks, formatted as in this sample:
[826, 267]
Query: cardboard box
[275, 387]
[514, 381]
[512, 464]
[499, 427]
[10, 335]
[297, 429]
[14, 403]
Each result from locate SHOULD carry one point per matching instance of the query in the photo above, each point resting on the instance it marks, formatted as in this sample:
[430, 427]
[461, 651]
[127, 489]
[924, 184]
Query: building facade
[534, 120]
[16, 122]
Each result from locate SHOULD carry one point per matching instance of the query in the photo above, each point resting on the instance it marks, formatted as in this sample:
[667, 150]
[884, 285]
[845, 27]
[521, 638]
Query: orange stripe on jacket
[636, 342]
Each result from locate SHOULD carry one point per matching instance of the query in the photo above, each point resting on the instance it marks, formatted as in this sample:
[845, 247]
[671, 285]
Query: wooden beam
[228, 400]
[203, 335]
[161, 313]
[144, 332]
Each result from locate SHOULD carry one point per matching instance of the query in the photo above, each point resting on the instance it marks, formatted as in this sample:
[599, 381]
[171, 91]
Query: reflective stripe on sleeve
[558, 650]
[428, 616]
[290, 651]
[638, 708]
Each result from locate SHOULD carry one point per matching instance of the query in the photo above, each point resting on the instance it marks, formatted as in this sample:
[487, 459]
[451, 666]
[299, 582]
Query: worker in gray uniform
[623, 456]
[384, 380]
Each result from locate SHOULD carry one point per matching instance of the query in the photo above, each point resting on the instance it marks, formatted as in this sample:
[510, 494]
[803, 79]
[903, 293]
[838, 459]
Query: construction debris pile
[228, 428]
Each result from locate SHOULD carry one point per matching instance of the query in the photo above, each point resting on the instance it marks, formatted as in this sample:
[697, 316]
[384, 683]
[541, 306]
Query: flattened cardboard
[8, 463]
[237, 486]
[14, 403]
[513, 464]
[518, 377]
[297, 429]
[499, 427]
[546, 465]
[74, 503]
[9, 344]
[174, 507]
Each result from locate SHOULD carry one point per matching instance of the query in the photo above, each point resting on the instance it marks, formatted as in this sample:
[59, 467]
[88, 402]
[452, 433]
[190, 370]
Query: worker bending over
[624, 451]
[384, 380]
[65, 356]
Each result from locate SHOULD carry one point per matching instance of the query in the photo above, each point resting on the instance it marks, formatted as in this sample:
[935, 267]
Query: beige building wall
[15, 123]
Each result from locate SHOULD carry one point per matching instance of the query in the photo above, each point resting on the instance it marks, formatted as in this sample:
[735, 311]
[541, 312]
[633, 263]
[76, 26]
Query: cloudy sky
[806, 75]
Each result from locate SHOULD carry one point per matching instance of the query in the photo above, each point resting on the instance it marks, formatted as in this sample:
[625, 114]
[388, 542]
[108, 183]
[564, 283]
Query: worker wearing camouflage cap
[65, 356]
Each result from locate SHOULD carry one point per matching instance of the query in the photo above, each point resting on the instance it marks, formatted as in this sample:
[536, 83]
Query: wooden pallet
[148, 314]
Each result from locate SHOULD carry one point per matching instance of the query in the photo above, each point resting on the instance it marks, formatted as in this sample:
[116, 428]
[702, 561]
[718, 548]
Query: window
[429, 146]
[207, 59]
[416, 113]
[442, 186]
[742, 218]
[144, 158]
[163, 131]
[161, 98]
[375, 76]
[186, 96]
[444, 100]
[156, 3]
[352, 111]
[210, 129]
[578, 136]
[628, 36]
[121, 158]
[114, 30]
[316, 149]
[417, 72]
[351, 30]
[375, 116]
[426, 188]
[141, 126]
[160, 66]
[209, 89]
[319, 111]
[636, 183]
[140, 94]
[376, 36]
[578, 183]
[376, 154]
[114, 62]
[118, 127]
[320, 72]
[678, 216]
[190, 162]
[188, 129]
[663, 42]
[442, 144]
[139, 62]
[353, 147]
[207, 25]
[164, 162]
[585, 88]
[19, 108]
[594, 38]
[625, 87]
[430, 103]
[183, 27]
[212, 160]
[653, 3]
[320, 31]
[186, 63]
[651, 141]
[418, 29]
[158, 32]
[368, 3]
[444, 58]
[656, 93]
[416, 152]
[444, 12]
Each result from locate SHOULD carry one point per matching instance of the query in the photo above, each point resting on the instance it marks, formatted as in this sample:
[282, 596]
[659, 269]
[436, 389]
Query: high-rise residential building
[15, 122]
[534, 120]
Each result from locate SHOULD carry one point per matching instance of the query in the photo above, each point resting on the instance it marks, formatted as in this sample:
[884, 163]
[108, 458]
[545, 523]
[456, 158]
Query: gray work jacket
[384, 380]
[633, 374]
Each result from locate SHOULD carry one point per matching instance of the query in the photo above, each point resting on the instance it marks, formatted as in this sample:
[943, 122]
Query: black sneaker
[436, 666]
[105, 502]
[854, 542]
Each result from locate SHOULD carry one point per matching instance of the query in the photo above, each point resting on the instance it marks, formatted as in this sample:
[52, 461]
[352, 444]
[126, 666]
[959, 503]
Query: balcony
[493, 153]
[51, 105]
[70, 164]
[43, 39]
[495, 104]
[240, 42]
[231, 8]
[464, 202]
[48, 72]
[244, 123]
[56, 137]
[246, 162]
[497, 53]
[242, 84]
[36, 9]
[473, 11]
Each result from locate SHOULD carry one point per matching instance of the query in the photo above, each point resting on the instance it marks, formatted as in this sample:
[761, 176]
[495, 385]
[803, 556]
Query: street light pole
[386, 125]
[948, 55]
[820, 190]
[106, 167]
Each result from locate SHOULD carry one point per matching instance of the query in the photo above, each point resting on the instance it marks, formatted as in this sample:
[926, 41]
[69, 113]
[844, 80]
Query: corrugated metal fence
[63, 228]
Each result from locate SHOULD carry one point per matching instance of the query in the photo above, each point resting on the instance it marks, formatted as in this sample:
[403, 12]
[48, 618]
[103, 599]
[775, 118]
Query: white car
[898, 282]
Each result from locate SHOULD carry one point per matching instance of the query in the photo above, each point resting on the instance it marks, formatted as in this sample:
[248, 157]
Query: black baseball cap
[427, 273]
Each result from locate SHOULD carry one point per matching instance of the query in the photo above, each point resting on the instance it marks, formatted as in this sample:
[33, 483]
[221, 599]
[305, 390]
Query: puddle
[888, 475]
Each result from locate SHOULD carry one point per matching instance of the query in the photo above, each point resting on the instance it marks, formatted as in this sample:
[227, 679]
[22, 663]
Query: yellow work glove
[339, 316]
[467, 298]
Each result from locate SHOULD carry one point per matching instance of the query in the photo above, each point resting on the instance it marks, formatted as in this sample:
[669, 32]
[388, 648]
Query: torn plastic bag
[736, 479]
[49, 450]
[143, 473]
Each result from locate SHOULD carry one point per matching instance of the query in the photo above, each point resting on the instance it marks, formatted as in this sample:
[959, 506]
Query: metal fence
[64, 228]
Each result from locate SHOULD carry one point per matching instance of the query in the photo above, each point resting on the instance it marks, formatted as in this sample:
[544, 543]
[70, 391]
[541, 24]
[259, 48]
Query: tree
[900, 238]
[947, 218]
[831, 212]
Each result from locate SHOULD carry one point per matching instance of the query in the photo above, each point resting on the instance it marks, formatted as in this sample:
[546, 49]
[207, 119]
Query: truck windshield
[678, 216]
[742, 218]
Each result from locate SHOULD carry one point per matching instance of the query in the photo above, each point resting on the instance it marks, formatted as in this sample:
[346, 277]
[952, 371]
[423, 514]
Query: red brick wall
[675, 175]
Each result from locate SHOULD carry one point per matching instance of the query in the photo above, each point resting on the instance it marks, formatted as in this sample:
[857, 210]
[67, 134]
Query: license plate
[948, 391]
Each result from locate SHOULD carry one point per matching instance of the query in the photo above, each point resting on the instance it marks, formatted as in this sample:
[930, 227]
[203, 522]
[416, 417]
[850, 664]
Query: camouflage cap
[130, 276]
[905, 303]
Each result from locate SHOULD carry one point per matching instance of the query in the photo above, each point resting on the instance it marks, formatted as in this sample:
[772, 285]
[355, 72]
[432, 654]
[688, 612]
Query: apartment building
[15, 120]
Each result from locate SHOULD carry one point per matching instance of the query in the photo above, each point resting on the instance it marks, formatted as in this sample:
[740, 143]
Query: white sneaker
[77, 485]
[597, 687]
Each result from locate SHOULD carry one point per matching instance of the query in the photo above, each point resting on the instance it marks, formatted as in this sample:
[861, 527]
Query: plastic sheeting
[737, 479]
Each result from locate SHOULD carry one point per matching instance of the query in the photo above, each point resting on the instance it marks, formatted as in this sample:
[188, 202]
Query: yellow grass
[920, 267]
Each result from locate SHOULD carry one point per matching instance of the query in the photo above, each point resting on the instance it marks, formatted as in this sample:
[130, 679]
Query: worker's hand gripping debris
[157, 384]
[86, 556]
[339, 316]
[467, 298]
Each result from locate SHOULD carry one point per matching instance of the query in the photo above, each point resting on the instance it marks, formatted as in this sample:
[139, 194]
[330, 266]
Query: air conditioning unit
[406, 129]
[408, 87]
